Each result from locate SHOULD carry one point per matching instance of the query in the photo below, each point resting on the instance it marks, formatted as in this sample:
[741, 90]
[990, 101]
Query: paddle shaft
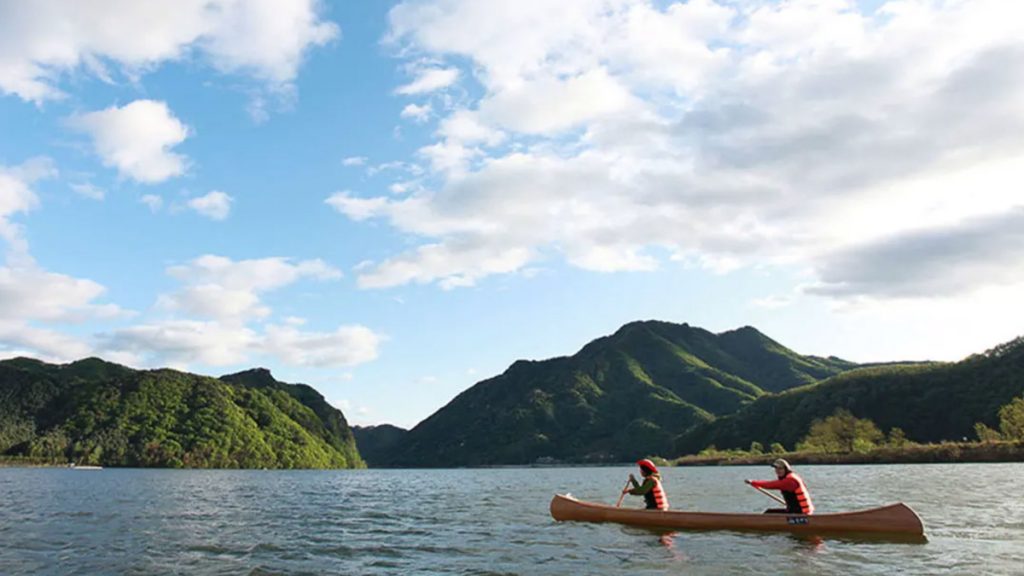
[770, 495]
[622, 495]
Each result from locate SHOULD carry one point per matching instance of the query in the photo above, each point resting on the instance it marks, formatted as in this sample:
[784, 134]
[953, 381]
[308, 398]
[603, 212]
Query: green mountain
[96, 412]
[376, 443]
[930, 402]
[623, 395]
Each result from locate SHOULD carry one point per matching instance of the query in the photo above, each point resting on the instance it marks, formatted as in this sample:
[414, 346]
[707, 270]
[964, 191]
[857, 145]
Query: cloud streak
[934, 262]
[217, 319]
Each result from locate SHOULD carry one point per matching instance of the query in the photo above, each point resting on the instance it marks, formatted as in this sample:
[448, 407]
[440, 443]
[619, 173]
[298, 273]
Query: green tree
[777, 448]
[986, 434]
[756, 448]
[52, 445]
[92, 412]
[1011, 420]
[710, 451]
[897, 437]
[841, 432]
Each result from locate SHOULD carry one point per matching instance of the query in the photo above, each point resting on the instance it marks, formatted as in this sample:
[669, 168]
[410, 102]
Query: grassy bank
[28, 461]
[909, 454]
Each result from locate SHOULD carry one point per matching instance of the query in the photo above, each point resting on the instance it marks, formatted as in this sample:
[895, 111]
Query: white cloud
[90, 191]
[257, 274]
[549, 104]
[16, 196]
[216, 301]
[229, 291]
[723, 133]
[395, 165]
[464, 126]
[449, 156]
[183, 342]
[215, 205]
[137, 139]
[220, 288]
[416, 112]
[346, 346]
[30, 293]
[611, 258]
[154, 202]
[943, 327]
[21, 339]
[355, 208]
[30, 296]
[354, 161]
[451, 265]
[429, 80]
[42, 41]
[221, 300]
[939, 261]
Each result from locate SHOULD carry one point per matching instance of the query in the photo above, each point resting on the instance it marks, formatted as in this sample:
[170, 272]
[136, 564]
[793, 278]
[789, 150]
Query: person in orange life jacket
[652, 490]
[794, 491]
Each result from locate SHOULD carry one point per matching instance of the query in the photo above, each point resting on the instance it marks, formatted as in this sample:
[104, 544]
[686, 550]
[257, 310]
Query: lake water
[494, 521]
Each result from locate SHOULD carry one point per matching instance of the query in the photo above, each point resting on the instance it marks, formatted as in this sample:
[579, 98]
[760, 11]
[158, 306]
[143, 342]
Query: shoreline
[943, 453]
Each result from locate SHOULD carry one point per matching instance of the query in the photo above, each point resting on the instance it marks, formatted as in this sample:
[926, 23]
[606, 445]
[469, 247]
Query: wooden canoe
[895, 519]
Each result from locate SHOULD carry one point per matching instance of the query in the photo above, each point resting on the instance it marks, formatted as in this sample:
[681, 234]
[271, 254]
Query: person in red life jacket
[651, 489]
[794, 491]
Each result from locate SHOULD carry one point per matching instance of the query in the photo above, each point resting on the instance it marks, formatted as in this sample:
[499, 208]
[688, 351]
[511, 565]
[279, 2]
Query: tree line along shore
[843, 438]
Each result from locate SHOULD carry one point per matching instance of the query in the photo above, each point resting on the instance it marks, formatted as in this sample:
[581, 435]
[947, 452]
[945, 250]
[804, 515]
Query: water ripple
[485, 522]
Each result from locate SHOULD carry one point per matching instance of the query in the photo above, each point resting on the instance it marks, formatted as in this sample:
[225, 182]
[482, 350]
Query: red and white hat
[647, 465]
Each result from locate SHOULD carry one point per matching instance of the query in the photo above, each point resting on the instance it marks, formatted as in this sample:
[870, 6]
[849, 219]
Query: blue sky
[394, 200]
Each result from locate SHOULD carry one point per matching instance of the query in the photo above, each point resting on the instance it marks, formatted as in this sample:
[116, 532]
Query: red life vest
[656, 498]
[800, 499]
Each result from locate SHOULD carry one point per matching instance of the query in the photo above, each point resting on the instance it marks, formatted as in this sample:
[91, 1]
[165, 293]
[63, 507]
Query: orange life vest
[800, 499]
[656, 498]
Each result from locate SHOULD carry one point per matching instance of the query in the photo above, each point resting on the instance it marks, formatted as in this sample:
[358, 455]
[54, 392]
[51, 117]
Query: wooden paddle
[622, 494]
[768, 494]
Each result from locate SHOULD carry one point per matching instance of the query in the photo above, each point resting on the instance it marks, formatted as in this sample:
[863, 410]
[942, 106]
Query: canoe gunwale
[892, 520]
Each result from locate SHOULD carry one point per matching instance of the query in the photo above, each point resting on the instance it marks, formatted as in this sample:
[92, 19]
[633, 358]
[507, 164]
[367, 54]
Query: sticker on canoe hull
[796, 520]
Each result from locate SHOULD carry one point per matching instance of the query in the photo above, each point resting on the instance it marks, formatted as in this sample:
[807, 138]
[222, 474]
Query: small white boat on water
[74, 466]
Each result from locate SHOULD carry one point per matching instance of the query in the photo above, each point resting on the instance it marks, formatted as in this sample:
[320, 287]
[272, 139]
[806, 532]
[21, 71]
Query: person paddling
[798, 498]
[652, 489]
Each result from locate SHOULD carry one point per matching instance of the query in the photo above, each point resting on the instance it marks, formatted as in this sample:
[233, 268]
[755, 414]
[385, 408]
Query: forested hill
[929, 403]
[629, 393]
[376, 443]
[96, 412]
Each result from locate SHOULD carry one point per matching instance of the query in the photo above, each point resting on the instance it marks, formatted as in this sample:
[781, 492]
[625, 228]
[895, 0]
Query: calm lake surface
[494, 521]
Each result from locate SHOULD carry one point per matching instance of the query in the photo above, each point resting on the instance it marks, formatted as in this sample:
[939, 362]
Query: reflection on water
[62, 521]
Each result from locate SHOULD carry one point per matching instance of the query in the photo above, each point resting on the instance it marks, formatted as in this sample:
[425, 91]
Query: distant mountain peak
[252, 377]
[630, 391]
[746, 329]
[93, 362]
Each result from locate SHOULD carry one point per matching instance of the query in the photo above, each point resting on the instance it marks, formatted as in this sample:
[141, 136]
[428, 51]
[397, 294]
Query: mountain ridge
[930, 402]
[96, 412]
[628, 392]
